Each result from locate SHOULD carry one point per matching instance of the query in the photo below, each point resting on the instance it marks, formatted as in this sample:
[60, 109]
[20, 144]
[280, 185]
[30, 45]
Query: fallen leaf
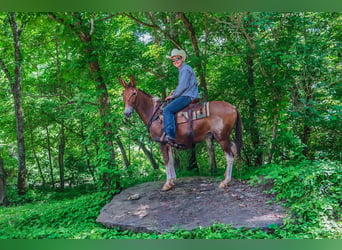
[141, 211]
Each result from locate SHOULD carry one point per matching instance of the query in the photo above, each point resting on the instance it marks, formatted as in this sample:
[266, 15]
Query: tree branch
[108, 17]
[253, 48]
[6, 71]
[154, 73]
[75, 28]
[72, 102]
[153, 26]
[191, 31]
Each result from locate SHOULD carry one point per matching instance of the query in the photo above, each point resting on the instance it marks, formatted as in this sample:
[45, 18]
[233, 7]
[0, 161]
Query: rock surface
[193, 202]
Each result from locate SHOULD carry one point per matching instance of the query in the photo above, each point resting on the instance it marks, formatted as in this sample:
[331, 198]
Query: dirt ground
[193, 202]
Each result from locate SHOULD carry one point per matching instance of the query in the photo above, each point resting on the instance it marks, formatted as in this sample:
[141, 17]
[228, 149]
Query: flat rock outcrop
[193, 202]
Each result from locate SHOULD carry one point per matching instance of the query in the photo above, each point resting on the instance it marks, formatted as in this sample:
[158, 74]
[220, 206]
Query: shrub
[312, 192]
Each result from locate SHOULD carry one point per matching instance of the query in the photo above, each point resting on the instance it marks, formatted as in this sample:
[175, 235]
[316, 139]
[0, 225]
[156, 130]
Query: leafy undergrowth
[310, 190]
[75, 219]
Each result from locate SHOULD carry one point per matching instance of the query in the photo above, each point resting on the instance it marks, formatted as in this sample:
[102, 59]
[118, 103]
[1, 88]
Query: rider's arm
[183, 83]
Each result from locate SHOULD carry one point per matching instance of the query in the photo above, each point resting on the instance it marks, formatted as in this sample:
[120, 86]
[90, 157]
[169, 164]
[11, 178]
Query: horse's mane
[149, 95]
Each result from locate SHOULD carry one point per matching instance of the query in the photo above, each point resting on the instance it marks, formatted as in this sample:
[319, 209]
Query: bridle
[134, 94]
[156, 112]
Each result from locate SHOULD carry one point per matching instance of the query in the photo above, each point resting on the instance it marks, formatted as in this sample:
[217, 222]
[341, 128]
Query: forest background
[64, 142]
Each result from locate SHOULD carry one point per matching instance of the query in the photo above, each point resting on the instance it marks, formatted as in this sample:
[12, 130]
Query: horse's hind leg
[169, 167]
[229, 149]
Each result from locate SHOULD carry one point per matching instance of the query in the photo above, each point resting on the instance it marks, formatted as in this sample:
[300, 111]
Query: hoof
[222, 185]
[167, 187]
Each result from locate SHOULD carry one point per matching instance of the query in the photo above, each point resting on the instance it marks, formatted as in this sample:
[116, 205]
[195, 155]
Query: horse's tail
[238, 134]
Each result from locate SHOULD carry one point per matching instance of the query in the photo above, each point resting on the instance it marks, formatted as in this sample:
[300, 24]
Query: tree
[15, 81]
[3, 193]
[85, 33]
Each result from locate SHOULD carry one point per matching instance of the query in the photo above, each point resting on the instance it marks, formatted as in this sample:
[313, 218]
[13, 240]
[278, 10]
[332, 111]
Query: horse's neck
[145, 106]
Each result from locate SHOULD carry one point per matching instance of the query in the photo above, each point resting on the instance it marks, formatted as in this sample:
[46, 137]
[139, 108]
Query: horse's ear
[123, 83]
[132, 81]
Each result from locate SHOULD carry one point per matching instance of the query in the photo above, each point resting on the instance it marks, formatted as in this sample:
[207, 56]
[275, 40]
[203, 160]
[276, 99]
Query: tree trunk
[84, 32]
[254, 128]
[252, 102]
[123, 152]
[16, 92]
[274, 136]
[306, 128]
[193, 166]
[91, 170]
[148, 154]
[61, 146]
[211, 153]
[194, 42]
[36, 157]
[61, 149]
[3, 193]
[50, 156]
[104, 108]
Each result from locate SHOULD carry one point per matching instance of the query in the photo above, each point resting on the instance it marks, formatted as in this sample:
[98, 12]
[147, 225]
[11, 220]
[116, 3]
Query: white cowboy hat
[177, 52]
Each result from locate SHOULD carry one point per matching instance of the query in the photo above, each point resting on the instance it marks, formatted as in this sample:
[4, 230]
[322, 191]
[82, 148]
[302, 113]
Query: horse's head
[129, 96]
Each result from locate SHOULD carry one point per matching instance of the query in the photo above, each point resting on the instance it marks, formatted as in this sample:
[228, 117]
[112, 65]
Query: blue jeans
[169, 114]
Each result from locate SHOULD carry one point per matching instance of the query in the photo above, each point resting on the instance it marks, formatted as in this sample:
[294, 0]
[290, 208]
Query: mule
[219, 124]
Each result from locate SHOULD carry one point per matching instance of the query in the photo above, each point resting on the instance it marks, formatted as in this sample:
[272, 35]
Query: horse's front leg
[169, 165]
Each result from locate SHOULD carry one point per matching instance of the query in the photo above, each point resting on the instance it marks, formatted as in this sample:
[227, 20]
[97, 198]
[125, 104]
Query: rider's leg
[169, 114]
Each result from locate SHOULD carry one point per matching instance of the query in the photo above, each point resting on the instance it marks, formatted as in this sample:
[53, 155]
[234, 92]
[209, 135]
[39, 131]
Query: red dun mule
[220, 123]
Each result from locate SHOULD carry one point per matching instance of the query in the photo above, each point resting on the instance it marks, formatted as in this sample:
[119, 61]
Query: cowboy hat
[177, 52]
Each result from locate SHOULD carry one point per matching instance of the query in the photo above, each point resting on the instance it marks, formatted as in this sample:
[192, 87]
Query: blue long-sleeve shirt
[187, 83]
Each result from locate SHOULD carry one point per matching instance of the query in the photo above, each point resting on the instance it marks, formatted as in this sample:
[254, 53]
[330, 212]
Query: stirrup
[177, 145]
[174, 144]
[160, 139]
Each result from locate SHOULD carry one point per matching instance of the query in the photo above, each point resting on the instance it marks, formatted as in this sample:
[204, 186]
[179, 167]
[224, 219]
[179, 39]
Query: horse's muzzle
[128, 112]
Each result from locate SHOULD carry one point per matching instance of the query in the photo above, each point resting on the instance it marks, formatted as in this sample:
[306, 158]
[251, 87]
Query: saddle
[194, 111]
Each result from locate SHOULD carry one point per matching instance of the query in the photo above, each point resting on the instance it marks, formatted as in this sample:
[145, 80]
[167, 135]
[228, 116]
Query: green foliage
[45, 194]
[312, 192]
[50, 219]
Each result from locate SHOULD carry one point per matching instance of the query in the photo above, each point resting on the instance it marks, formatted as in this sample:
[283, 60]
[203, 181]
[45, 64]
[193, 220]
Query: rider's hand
[168, 98]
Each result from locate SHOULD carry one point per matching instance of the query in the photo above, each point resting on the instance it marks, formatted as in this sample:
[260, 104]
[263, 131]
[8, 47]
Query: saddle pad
[194, 112]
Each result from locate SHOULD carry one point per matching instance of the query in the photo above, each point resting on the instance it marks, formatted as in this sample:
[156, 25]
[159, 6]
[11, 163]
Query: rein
[154, 116]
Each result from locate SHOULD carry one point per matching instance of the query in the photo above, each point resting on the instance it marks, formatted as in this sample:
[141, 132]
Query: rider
[185, 93]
